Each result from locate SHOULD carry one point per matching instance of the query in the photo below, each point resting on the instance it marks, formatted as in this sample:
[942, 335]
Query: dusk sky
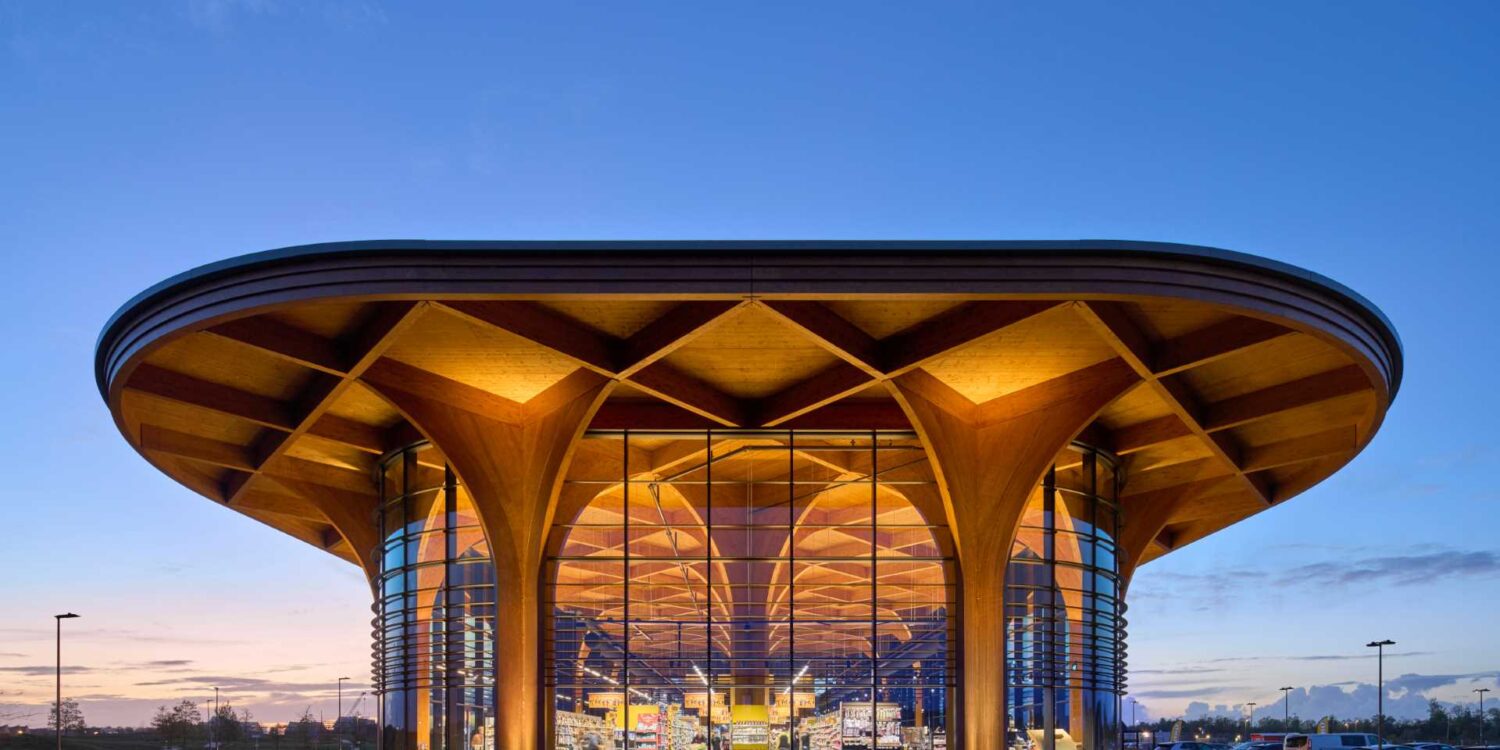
[1357, 139]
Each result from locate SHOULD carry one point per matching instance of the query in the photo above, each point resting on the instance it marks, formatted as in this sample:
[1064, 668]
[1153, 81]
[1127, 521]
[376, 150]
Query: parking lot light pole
[1286, 713]
[57, 707]
[1250, 719]
[341, 705]
[1379, 647]
[1481, 692]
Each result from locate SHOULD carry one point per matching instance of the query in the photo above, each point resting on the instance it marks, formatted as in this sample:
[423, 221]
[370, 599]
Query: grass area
[89, 742]
[147, 741]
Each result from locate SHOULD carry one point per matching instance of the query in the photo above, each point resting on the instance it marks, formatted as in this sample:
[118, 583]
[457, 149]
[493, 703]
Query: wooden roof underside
[843, 529]
[269, 415]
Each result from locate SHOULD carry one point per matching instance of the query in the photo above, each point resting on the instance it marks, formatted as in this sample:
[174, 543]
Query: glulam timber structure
[834, 468]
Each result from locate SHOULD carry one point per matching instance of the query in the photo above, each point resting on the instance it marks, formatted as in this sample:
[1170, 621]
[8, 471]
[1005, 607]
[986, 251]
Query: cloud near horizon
[1246, 589]
[1406, 697]
[245, 684]
[1183, 693]
[127, 692]
[1314, 657]
[36, 670]
[1395, 570]
[1422, 565]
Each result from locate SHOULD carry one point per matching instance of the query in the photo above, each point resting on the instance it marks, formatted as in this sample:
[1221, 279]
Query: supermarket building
[749, 495]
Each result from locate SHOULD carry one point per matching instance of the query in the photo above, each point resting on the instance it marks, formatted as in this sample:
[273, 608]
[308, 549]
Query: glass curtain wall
[1064, 631]
[764, 590]
[434, 610]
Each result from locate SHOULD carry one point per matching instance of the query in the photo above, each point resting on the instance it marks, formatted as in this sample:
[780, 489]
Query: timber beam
[384, 323]
[1115, 326]
[638, 359]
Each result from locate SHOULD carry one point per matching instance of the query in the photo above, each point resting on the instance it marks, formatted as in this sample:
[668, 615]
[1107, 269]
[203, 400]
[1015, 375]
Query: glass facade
[750, 590]
[747, 590]
[1064, 630]
[434, 610]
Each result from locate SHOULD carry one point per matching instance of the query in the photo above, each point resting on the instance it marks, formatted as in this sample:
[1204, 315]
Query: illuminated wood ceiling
[743, 572]
[265, 408]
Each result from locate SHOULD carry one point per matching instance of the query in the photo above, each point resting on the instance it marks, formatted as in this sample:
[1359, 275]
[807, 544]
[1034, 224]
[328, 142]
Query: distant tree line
[1459, 726]
[178, 724]
[71, 717]
[182, 726]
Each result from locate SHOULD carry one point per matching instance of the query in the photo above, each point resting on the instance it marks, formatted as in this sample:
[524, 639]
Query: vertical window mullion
[791, 584]
[455, 676]
[625, 632]
[411, 677]
[708, 572]
[874, 603]
[1047, 648]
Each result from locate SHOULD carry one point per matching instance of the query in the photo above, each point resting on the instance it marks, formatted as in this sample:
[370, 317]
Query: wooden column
[512, 458]
[988, 458]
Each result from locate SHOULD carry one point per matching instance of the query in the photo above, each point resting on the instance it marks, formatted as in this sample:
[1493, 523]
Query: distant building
[252, 730]
[350, 725]
[312, 729]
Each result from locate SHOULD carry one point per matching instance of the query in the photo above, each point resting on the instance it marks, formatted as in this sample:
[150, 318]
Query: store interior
[750, 591]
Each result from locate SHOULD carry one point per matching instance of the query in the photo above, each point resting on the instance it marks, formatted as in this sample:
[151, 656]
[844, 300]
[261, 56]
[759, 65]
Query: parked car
[1192, 745]
[1260, 745]
[1432, 746]
[1341, 740]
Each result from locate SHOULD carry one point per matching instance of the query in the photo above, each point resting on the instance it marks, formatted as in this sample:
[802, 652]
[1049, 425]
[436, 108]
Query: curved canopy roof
[247, 380]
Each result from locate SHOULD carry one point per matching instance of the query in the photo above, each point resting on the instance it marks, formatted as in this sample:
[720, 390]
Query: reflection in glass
[434, 614]
[1063, 624]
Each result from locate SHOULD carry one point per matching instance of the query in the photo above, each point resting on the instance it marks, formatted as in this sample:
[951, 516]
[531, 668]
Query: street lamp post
[1481, 692]
[1133, 725]
[213, 722]
[1286, 712]
[1379, 647]
[341, 705]
[1250, 719]
[57, 707]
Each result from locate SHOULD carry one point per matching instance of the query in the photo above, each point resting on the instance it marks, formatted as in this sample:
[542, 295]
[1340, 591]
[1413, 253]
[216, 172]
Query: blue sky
[1355, 139]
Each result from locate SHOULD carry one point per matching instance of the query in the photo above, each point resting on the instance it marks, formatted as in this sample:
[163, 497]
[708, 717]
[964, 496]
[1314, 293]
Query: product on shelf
[857, 725]
[577, 731]
[822, 732]
[681, 729]
[649, 730]
[750, 733]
